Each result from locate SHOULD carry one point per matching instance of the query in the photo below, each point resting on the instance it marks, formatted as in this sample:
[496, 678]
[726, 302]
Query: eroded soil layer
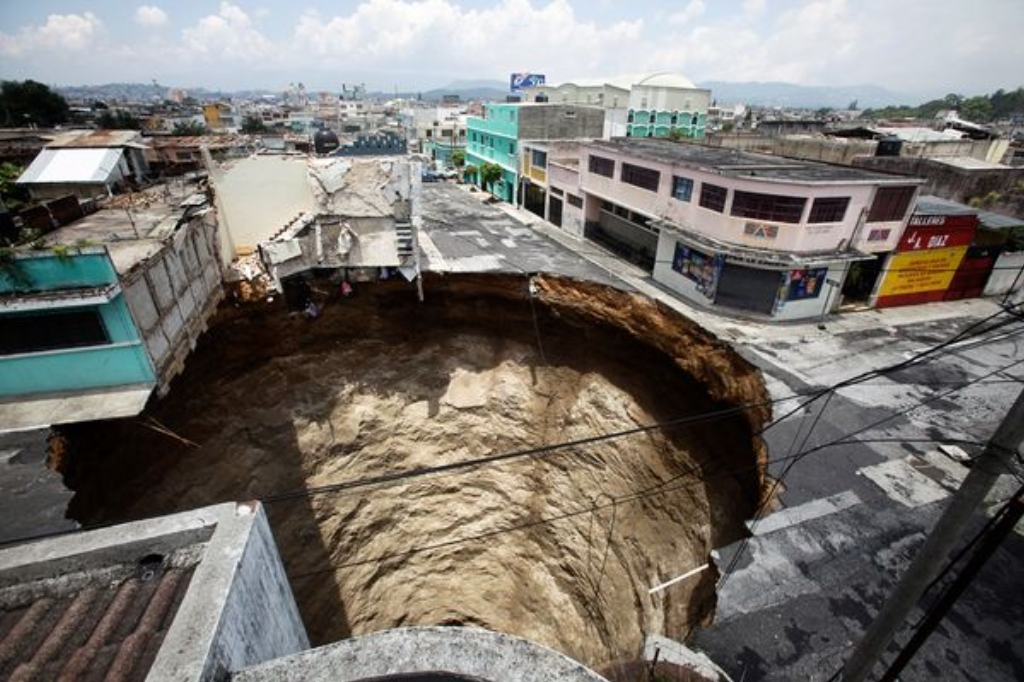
[560, 547]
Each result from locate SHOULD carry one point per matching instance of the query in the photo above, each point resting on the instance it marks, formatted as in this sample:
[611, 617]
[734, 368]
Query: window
[828, 209]
[644, 178]
[682, 188]
[50, 331]
[599, 165]
[445, 132]
[878, 235]
[713, 197]
[511, 147]
[767, 206]
[571, 113]
[574, 200]
[538, 159]
[891, 203]
[557, 191]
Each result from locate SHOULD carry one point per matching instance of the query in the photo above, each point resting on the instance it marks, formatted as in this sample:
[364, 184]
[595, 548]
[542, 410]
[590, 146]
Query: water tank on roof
[890, 145]
[325, 141]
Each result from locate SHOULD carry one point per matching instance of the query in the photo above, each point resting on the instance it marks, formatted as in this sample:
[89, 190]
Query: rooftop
[72, 166]
[98, 138]
[189, 597]
[106, 623]
[970, 163]
[933, 205]
[133, 226]
[731, 162]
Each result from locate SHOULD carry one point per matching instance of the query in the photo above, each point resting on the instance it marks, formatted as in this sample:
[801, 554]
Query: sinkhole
[346, 426]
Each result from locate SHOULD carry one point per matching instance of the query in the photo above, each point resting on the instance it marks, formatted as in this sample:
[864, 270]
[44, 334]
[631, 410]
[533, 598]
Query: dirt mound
[559, 546]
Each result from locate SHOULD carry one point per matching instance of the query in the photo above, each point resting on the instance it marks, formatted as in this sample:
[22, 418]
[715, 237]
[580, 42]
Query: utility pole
[1012, 513]
[996, 458]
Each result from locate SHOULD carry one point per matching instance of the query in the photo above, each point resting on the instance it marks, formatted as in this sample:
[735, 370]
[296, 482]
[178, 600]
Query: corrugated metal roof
[72, 165]
[97, 139]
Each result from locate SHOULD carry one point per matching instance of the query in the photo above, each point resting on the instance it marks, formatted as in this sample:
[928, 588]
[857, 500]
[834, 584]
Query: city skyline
[915, 48]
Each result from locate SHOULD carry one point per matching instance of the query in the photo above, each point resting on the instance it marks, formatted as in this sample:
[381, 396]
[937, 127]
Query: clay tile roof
[110, 629]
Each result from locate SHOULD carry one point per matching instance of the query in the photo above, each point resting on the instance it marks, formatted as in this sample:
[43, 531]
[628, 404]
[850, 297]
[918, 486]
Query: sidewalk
[748, 330]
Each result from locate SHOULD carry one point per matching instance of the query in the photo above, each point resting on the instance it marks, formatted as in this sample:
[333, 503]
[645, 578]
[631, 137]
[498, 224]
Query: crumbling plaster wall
[174, 293]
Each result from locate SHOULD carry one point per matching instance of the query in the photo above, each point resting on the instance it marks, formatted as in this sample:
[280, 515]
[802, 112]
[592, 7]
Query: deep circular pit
[560, 546]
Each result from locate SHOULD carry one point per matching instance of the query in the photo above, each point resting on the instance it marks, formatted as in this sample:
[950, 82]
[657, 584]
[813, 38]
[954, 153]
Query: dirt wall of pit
[558, 545]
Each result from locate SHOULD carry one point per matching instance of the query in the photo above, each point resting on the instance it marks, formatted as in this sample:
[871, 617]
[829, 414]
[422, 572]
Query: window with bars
[828, 209]
[772, 207]
[682, 188]
[574, 200]
[639, 176]
[600, 165]
[713, 197]
[891, 203]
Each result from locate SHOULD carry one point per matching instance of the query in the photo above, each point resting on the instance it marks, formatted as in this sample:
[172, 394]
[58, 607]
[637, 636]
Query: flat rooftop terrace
[735, 163]
[131, 227]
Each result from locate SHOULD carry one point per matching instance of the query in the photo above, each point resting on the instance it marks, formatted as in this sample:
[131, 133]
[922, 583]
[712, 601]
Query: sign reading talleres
[926, 259]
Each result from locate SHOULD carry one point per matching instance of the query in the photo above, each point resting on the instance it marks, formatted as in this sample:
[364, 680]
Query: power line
[743, 545]
[658, 489]
[554, 447]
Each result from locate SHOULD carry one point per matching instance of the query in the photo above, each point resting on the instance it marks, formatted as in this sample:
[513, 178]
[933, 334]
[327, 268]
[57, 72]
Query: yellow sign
[919, 271]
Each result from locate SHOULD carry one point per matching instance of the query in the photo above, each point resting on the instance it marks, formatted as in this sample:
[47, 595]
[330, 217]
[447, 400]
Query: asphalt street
[848, 516]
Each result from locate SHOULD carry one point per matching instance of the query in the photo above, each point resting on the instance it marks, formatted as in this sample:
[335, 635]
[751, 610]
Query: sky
[912, 47]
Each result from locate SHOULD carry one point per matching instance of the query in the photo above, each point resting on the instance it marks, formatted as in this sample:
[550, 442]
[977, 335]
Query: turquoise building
[65, 325]
[494, 138]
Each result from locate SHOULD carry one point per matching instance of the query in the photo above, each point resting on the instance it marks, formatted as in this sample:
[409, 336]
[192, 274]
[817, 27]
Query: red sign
[925, 238]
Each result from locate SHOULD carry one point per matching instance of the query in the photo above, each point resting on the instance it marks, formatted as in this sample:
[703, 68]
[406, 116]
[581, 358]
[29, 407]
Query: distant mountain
[112, 93]
[470, 90]
[789, 95]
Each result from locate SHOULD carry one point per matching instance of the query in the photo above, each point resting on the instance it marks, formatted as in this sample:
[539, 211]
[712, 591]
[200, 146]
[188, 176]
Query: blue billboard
[525, 80]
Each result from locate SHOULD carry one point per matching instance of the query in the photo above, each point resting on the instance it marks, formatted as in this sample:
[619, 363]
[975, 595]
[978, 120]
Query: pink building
[768, 235]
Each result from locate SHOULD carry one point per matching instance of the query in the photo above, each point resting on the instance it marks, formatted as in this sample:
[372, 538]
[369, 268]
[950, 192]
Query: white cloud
[61, 31]
[228, 34]
[689, 13]
[913, 45]
[150, 16]
[441, 36]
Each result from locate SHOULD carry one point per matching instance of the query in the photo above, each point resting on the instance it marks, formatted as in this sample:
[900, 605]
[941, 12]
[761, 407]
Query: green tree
[190, 129]
[14, 196]
[469, 173]
[253, 124]
[490, 173]
[31, 103]
[458, 158]
[118, 119]
[976, 109]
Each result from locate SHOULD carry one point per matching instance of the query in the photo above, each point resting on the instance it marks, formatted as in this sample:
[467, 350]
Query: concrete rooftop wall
[473, 652]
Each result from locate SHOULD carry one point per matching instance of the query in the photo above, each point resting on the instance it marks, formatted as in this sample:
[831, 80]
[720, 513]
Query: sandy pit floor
[557, 546]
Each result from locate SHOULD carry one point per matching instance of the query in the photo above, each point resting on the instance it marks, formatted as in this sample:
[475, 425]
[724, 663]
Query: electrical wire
[659, 489]
[555, 447]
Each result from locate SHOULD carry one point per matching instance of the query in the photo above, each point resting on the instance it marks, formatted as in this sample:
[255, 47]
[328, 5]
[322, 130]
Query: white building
[750, 232]
[652, 105]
